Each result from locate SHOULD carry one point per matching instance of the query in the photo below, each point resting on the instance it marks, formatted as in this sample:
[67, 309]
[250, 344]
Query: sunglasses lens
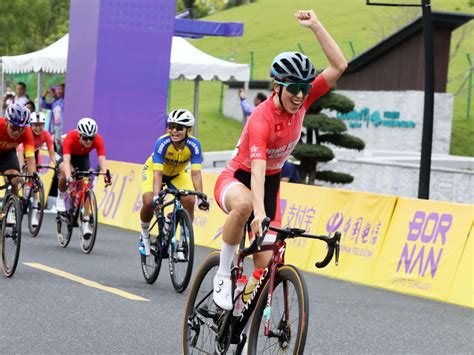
[178, 127]
[87, 138]
[295, 88]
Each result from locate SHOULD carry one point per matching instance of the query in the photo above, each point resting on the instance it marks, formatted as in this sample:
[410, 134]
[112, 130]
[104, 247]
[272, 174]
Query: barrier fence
[416, 247]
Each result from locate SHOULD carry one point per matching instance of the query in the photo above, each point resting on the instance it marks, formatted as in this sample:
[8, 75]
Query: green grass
[270, 28]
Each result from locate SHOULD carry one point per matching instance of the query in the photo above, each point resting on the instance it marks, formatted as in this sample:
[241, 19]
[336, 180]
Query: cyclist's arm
[196, 177]
[31, 164]
[102, 164]
[257, 187]
[157, 181]
[67, 165]
[20, 151]
[337, 62]
[52, 157]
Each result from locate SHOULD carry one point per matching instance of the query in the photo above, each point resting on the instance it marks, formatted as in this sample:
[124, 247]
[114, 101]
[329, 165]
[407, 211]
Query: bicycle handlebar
[179, 192]
[12, 176]
[333, 242]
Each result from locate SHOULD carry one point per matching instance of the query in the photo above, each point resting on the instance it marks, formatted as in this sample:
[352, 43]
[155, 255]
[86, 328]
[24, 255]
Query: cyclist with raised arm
[15, 130]
[248, 188]
[173, 152]
[77, 145]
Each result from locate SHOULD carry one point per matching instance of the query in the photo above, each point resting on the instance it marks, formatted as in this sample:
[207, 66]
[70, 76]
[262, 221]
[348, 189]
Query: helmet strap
[280, 93]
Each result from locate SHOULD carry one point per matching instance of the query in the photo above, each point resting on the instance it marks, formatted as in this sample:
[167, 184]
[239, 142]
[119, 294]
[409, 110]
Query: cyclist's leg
[183, 181]
[236, 200]
[146, 211]
[9, 164]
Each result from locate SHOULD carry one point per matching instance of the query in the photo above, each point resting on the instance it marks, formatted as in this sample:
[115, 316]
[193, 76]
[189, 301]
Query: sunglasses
[295, 88]
[87, 139]
[17, 128]
[176, 126]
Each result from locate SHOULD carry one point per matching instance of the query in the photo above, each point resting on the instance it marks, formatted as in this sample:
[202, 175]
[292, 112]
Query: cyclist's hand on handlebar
[203, 203]
[256, 224]
[157, 202]
[107, 178]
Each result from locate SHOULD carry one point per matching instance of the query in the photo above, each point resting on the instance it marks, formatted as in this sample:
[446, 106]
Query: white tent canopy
[186, 61]
[190, 62]
[51, 59]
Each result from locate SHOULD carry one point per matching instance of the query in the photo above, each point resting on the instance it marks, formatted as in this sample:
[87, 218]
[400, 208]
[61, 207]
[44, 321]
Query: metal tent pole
[196, 104]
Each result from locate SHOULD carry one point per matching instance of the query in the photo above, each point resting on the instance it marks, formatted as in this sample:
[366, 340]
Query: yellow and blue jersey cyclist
[172, 154]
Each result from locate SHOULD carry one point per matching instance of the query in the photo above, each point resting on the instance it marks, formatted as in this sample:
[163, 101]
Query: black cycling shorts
[9, 161]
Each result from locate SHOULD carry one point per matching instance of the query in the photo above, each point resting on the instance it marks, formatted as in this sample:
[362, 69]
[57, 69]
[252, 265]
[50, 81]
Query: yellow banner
[46, 174]
[119, 204]
[423, 247]
[362, 218]
[462, 290]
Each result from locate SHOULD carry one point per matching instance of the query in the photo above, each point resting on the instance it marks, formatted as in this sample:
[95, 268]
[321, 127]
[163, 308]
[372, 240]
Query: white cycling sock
[227, 256]
[61, 195]
[145, 231]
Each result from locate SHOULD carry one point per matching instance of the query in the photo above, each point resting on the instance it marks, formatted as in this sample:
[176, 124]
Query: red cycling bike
[80, 203]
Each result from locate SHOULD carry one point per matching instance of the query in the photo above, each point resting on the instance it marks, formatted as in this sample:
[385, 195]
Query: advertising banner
[119, 204]
[462, 290]
[423, 246]
[362, 218]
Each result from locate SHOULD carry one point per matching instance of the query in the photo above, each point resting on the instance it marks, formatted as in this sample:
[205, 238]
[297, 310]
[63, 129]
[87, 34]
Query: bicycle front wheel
[201, 315]
[151, 265]
[11, 234]
[288, 315]
[181, 256]
[39, 210]
[90, 205]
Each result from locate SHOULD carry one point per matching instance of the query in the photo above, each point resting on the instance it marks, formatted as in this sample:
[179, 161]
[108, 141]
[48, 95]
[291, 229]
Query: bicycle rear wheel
[89, 204]
[11, 234]
[288, 315]
[201, 314]
[182, 251]
[151, 265]
[34, 230]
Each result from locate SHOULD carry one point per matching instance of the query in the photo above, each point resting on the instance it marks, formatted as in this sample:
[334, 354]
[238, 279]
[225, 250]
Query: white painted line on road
[86, 282]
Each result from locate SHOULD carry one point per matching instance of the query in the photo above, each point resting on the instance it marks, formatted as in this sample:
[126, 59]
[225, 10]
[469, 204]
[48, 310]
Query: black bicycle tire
[183, 215]
[34, 231]
[212, 260]
[11, 199]
[91, 241]
[289, 273]
[150, 278]
[64, 242]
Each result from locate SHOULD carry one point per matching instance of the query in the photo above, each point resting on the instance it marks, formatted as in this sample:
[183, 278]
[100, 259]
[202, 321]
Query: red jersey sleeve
[259, 131]
[28, 143]
[99, 145]
[48, 140]
[320, 87]
[67, 143]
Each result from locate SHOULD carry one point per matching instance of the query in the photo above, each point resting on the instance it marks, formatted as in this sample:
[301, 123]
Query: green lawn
[351, 21]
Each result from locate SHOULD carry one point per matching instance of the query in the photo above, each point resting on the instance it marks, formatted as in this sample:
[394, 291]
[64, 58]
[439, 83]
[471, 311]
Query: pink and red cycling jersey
[271, 134]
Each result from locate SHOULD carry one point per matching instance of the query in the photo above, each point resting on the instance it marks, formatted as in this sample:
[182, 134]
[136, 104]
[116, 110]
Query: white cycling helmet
[181, 116]
[38, 117]
[87, 127]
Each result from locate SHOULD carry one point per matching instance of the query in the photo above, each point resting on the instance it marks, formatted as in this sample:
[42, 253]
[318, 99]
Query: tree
[325, 129]
[28, 25]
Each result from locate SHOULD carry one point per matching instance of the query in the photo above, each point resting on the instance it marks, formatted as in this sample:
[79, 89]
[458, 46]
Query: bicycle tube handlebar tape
[333, 245]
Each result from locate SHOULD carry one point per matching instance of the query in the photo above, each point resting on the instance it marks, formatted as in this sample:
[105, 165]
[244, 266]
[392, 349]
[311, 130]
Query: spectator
[290, 171]
[19, 98]
[248, 108]
[57, 112]
[31, 106]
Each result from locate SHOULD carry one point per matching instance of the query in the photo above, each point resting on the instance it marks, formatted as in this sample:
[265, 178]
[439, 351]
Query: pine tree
[325, 129]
